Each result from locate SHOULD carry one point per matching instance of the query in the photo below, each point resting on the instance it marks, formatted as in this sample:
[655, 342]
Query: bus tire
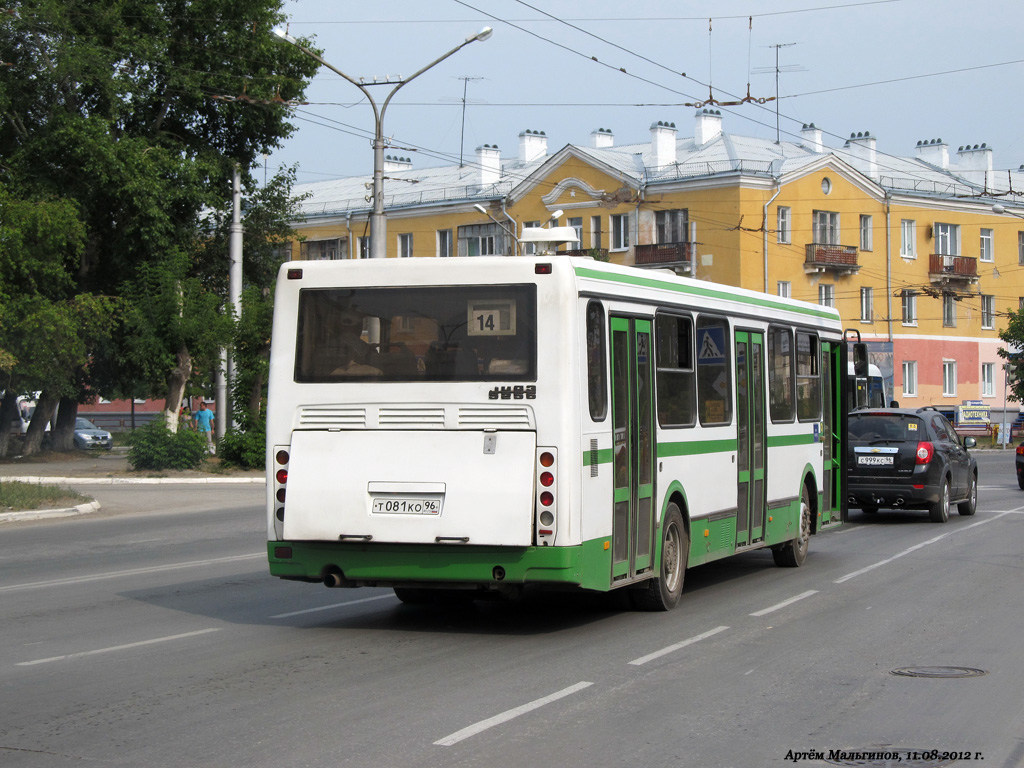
[662, 593]
[793, 553]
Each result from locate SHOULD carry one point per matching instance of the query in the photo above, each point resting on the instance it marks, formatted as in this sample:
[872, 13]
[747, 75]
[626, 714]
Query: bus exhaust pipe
[336, 580]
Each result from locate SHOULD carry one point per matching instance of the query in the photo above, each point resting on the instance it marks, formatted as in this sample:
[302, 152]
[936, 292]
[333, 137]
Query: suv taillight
[925, 451]
[1020, 449]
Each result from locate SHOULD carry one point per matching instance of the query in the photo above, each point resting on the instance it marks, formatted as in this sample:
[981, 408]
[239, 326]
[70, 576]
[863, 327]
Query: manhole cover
[938, 672]
[890, 757]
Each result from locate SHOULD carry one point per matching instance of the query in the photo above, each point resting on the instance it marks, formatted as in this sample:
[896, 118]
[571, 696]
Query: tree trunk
[63, 433]
[45, 406]
[255, 401]
[176, 387]
[8, 413]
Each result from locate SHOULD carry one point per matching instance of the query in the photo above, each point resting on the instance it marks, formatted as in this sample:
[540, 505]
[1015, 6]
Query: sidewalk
[105, 468]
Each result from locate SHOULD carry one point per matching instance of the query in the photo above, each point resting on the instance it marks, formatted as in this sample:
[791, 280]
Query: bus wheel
[793, 553]
[662, 593]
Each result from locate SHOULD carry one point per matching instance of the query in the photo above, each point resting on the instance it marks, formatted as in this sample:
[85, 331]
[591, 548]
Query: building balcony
[677, 256]
[841, 259]
[946, 269]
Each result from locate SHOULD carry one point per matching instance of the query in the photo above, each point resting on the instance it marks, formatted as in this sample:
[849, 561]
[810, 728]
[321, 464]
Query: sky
[905, 70]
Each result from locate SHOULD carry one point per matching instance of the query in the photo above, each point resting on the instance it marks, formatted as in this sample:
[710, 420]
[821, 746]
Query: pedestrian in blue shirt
[204, 423]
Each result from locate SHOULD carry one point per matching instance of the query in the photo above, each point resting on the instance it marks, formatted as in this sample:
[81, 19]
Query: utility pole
[462, 136]
[777, 69]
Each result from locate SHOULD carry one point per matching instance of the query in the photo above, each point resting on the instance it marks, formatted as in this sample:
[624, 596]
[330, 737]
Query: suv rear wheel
[970, 506]
[939, 511]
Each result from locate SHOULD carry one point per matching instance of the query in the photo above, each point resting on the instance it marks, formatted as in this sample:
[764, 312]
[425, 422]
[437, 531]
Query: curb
[42, 514]
[40, 480]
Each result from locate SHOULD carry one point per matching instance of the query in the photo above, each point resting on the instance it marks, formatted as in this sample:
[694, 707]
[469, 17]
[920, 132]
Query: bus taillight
[547, 473]
[281, 457]
[282, 476]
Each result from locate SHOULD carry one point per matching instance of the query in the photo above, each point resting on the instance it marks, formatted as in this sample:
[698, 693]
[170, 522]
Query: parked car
[1020, 465]
[88, 435]
[910, 458]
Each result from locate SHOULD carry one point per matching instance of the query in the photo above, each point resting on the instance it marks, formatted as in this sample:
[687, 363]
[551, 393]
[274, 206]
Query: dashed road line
[335, 605]
[677, 646]
[118, 647]
[784, 603]
[510, 714]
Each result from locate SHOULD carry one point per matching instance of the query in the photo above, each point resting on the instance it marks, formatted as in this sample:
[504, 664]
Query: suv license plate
[406, 505]
[873, 461]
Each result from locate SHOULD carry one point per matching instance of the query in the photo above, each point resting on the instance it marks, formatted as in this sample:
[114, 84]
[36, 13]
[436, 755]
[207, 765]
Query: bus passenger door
[833, 362]
[750, 438]
[633, 447]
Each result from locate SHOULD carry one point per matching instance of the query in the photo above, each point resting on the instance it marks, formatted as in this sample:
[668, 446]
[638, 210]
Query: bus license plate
[874, 460]
[406, 505]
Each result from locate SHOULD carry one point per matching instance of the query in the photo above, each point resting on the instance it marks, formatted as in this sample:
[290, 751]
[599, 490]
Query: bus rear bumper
[384, 565]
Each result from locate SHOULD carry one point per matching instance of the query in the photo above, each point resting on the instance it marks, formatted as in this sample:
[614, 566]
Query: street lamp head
[557, 214]
[999, 208]
[482, 35]
[280, 33]
[480, 208]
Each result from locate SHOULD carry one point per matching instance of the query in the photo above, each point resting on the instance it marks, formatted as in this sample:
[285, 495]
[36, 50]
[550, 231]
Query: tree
[1013, 354]
[137, 113]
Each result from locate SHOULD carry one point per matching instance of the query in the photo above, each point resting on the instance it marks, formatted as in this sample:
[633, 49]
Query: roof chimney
[975, 163]
[488, 159]
[397, 163]
[663, 144]
[861, 147]
[533, 145]
[709, 125]
[934, 151]
[602, 138]
[812, 138]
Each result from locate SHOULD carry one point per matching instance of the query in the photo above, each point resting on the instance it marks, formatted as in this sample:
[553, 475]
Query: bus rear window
[462, 333]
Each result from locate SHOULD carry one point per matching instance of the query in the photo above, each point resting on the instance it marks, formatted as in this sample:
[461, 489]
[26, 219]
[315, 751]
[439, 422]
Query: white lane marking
[131, 572]
[504, 717]
[916, 547]
[677, 646]
[784, 603]
[336, 605]
[118, 647]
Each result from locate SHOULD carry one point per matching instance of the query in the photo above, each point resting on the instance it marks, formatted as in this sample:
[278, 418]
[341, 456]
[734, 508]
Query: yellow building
[908, 249]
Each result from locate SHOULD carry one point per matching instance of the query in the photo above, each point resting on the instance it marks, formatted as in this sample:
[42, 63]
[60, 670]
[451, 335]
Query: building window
[405, 246]
[866, 233]
[596, 235]
[827, 295]
[987, 246]
[826, 228]
[988, 312]
[1020, 248]
[620, 231]
[988, 379]
[481, 240]
[530, 249]
[948, 311]
[576, 223]
[947, 239]
[671, 226]
[910, 378]
[322, 250]
[784, 288]
[364, 247]
[444, 243]
[908, 239]
[909, 308]
[867, 298]
[783, 229]
[949, 378]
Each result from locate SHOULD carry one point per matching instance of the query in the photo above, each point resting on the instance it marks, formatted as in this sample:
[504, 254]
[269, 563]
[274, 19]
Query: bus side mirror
[860, 359]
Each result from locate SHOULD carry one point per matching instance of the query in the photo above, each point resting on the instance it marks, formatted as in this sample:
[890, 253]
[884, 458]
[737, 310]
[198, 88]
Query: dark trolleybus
[459, 427]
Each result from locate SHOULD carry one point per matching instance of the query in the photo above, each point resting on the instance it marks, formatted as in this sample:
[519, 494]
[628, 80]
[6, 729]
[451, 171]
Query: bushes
[154, 446]
[245, 449]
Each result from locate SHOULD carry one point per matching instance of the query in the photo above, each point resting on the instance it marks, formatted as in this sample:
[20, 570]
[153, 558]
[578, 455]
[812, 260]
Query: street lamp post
[378, 223]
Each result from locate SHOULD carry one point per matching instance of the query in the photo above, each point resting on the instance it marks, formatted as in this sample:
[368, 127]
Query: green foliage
[1013, 335]
[18, 496]
[154, 446]
[244, 449]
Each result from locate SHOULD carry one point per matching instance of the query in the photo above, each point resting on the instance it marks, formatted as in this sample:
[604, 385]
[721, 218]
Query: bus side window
[780, 374]
[675, 375]
[714, 384]
[597, 372]
[808, 377]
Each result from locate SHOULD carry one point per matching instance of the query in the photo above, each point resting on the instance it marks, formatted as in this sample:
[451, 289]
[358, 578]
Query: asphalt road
[152, 635]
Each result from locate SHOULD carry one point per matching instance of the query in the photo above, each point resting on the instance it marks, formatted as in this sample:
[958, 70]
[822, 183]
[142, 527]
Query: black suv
[909, 458]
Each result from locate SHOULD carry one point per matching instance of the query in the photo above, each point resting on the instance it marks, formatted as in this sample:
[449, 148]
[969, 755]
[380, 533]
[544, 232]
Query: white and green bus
[466, 427]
